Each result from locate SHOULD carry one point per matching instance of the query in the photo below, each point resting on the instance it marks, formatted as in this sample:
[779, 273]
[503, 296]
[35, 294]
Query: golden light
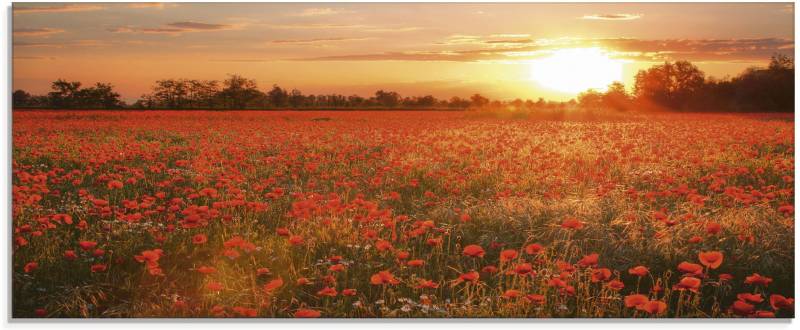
[576, 70]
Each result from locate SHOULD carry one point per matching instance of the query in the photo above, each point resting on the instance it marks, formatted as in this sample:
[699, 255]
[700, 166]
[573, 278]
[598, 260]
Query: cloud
[36, 32]
[613, 17]
[316, 41]
[174, 28]
[34, 58]
[61, 8]
[62, 44]
[153, 5]
[359, 27]
[634, 49]
[314, 12]
[199, 26]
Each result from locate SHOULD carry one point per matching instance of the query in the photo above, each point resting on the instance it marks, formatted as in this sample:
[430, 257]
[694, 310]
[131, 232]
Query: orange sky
[413, 48]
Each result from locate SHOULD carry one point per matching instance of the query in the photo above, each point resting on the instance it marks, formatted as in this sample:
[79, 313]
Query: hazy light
[576, 70]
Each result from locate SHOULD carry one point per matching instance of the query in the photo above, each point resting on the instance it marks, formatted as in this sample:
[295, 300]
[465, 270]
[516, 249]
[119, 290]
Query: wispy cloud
[359, 27]
[36, 32]
[34, 58]
[153, 5]
[65, 8]
[175, 28]
[317, 40]
[314, 12]
[644, 50]
[613, 17]
[62, 44]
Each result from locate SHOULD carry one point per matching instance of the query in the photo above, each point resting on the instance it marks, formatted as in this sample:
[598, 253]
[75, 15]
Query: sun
[576, 70]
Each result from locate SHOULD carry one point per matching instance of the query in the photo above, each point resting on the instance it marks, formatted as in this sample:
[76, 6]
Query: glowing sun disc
[576, 70]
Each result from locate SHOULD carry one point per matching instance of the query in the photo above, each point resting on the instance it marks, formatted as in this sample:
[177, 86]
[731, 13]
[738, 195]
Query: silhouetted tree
[239, 91]
[669, 84]
[20, 98]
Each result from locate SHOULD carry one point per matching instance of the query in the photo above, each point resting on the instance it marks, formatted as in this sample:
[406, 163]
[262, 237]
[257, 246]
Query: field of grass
[401, 214]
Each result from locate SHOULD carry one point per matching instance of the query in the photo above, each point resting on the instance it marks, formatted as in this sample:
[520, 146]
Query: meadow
[401, 214]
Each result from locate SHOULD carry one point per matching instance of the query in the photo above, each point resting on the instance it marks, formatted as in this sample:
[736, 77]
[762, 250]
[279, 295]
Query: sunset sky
[500, 50]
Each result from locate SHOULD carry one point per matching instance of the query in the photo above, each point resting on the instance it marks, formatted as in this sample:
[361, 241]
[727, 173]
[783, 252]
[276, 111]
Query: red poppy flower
[511, 294]
[750, 298]
[427, 284]
[97, 268]
[589, 260]
[383, 277]
[571, 223]
[638, 271]
[306, 313]
[690, 268]
[472, 276]
[508, 255]
[272, 285]
[206, 270]
[473, 251]
[536, 299]
[199, 239]
[87, 245]
[757, 279]
[524, 269]
[296, 240]
[779, 302]
[349, 292]
[713, 228]
[601, 274]
[616, 285]
[653, 307]
[711, 259]
[533, 248]
[31, 266]
[688, 283]
[742, 308]
[70, 255]
[635, 300]
[415, 263]
[328, 292]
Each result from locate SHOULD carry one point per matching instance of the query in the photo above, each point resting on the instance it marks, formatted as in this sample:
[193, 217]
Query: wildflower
[533, 248]
[272, 285]
[757, 279]
[571, 223]
[589, 260]
[688, 283]
[306, 313]
[199, 239]
[779, 302]
[328, 292]
[31, 266]
[712, 259]
[635, 300]
[473, 251]
[690, 268]
[639, 271]
[426, 284]
[508, 255]
[383, 277]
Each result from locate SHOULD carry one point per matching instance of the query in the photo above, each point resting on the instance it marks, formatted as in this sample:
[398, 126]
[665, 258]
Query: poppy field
[401, 214]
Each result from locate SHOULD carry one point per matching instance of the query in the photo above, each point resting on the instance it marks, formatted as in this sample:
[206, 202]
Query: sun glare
[576, 70]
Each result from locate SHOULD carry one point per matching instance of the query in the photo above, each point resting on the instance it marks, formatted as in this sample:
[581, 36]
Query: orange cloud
[36, 32]
[613, 17]
[56, 8]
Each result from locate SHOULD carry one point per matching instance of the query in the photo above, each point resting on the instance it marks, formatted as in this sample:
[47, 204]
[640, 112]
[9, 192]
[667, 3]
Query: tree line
[682, 86]
[676, 86]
